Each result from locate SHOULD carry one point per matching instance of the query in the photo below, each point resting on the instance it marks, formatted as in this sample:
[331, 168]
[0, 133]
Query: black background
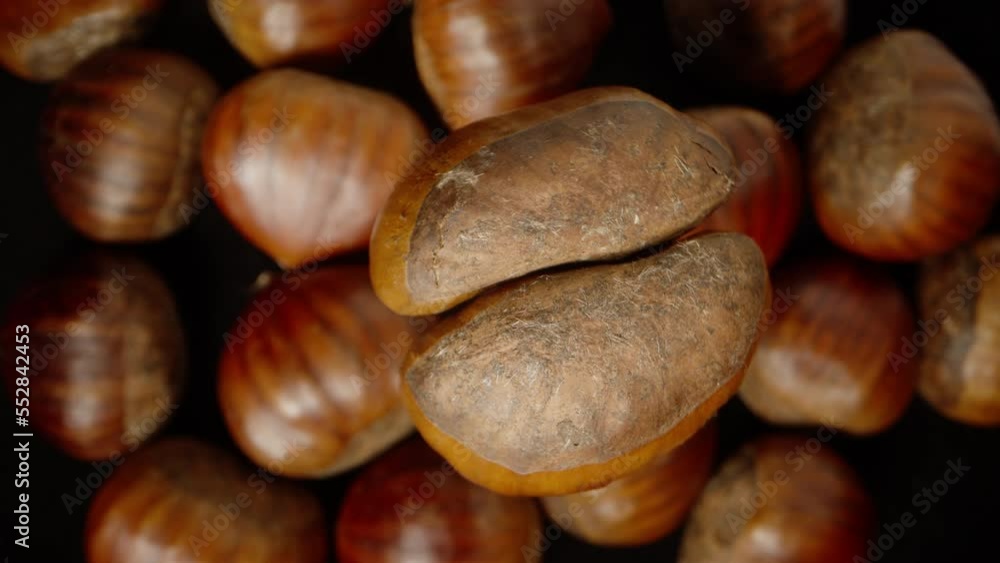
[210, 268]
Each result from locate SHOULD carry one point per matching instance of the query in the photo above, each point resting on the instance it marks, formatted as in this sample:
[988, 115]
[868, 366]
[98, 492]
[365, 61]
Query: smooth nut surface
[593, 175]
[315, 388]
[480, 58]
[304, 162]
[834, 353]
[904, 158]
[960, 297]
[563, 382]
[815, 509]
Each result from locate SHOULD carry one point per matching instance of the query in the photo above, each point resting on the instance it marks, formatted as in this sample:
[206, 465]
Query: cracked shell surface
[563, 382]
[594, 175]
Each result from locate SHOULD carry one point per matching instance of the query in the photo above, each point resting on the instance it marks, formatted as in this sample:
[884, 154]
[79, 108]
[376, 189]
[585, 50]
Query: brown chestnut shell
[108, 360]
[309, 379]
[904, 158]
[481, 58]
[120, 138]
[564, 382]
[303, 163]
[184, 500]
[593, 175]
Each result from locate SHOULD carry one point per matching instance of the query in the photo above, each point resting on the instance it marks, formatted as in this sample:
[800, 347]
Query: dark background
[210, 268]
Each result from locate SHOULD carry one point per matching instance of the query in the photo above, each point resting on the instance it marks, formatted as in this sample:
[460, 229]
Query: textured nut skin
[828, 359]
[561, 383]
[767, 199]
[120, 364]
[458, 522]
[315, 389]
[778, 46]
[154, 508]
[319, 33]
[312, 188]
[819, 511]
[908, 123]
[593, 175]
[960, 368]
[71, 31]
[644, 506]
[481, 58]
[120, 138]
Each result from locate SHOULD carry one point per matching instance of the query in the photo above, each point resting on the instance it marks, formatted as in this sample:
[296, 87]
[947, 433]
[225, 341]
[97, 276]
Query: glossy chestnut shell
[185, 500]
[107, 354]
[309, 379]
[411, 505]
[832, 349]
[120, 138]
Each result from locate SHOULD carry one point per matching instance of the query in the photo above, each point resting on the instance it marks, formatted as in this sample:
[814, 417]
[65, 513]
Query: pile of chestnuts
[500, 297]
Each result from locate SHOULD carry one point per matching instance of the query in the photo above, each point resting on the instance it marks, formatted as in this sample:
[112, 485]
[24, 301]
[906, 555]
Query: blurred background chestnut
[904, 161]
[309, 377]
[181, 500]
[960, 324]
[44, 40]
[301, 164]
[120, 138]
[767, 201]
[773, 46]
[644, 506]
[833, 348]
[781, 498]
[107, 354]
[314, 33]
[410, 505]
[480, 58]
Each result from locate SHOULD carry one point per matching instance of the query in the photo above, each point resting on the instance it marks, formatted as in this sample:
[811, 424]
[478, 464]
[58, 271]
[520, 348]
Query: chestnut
[44, 40]
[107, 354]
[831, 354]
[120, 139]
[644, 506]
[772, 46]
[593, 175]
[309, 378]
[301, 164]
[959, 296]
[317, 33]
[185, 500]
[904, 161]
[480, 58]
[564, 382]
[410, 506]
[780, 498]
[767, 201]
